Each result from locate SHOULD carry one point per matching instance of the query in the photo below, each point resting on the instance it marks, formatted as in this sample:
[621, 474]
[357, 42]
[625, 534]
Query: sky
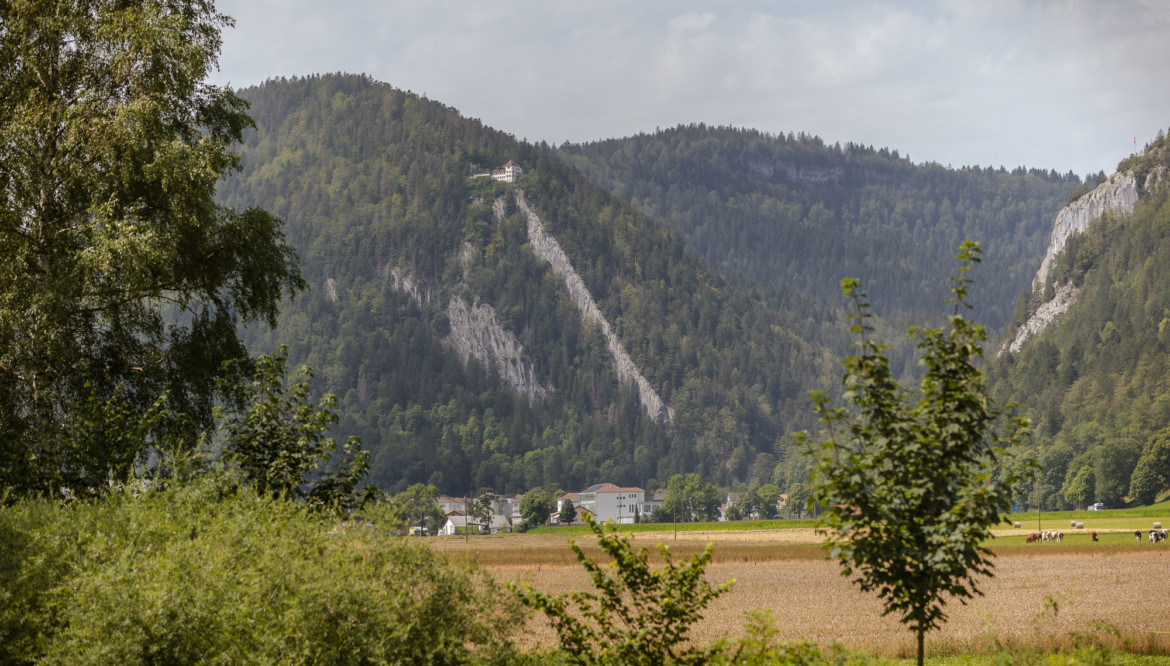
[1053, 85]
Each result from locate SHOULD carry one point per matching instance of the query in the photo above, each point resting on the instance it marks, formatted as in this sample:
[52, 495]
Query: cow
[1032, 538]
[1137, 536]
[1094, 535]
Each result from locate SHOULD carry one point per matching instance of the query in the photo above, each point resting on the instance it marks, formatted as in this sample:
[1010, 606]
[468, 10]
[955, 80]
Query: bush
[212, 573]
[639, 616]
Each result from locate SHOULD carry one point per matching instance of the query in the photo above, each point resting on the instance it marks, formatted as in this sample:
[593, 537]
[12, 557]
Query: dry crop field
[1103, 588]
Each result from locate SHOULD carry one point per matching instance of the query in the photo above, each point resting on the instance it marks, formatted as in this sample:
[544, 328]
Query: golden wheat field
[1107, 590]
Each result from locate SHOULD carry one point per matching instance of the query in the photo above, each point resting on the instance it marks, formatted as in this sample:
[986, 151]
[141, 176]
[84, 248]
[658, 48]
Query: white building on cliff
[509, 172]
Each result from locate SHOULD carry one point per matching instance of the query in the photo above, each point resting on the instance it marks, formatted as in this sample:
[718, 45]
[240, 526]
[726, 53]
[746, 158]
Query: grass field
[1043, 596]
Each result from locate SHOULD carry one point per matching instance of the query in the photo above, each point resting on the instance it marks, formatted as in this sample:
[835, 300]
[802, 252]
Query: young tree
[278, 439]
[568, 512]
[912, 481]
[120, 277]
[481, 509]
[638, 615]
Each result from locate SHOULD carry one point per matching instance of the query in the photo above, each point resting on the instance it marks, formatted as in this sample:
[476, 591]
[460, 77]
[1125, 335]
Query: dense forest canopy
[790, 210]
[373, 185]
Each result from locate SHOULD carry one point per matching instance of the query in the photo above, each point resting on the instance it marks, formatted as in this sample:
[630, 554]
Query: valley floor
[1041, 595]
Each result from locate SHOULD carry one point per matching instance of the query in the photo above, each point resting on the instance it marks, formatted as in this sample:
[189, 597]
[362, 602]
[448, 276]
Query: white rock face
[476, 333]
[806, 175]
[1065, 296]
[407, 283]
[546, 248]
[1117, 195]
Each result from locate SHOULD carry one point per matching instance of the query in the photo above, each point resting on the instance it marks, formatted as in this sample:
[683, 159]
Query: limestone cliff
[475, 332]
[1066, 295]
[1115, 196]
[546, 248]
[796, 173]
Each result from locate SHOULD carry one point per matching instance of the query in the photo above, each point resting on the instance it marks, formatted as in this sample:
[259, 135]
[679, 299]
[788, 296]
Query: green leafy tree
[277, 438]
[121, 280]
[535, 508]
[638, 616]
[769, 505]
[912, 480]
[418, 506]
[690, 498]
[1152, 474]
[481, 509]
[798, 495]
[1080, 488]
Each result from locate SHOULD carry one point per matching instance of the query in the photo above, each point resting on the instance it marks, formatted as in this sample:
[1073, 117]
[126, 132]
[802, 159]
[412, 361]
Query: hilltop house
[509, 172]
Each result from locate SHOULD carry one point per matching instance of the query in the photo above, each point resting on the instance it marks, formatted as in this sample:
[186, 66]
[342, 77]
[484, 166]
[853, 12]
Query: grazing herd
[1045, 537]
[1156, 536]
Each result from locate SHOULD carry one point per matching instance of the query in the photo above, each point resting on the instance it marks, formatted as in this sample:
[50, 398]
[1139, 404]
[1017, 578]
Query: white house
[509, 172]
[457, 521]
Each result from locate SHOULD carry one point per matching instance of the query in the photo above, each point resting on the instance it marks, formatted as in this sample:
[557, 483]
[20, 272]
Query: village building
[606, 501]
[457, 523]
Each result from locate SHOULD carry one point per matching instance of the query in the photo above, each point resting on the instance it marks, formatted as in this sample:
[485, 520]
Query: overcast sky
[1064, 85]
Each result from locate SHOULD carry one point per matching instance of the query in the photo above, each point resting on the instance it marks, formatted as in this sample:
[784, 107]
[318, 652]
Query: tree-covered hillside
[1097, 382]
[373, 186]
[790, 210]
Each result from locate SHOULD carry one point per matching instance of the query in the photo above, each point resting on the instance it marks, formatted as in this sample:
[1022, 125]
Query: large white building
[609, 502]
[508, 173]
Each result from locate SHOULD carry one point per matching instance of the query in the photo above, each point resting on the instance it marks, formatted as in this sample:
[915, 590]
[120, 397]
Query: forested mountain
[412, 263]
[1095, 379]
[793, 211]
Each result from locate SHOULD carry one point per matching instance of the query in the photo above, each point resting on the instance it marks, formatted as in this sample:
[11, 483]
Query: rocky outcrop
[796, 173]
[1065, 296]
[546, 248]
[1116, 195]
[407, 284]
[475, 332]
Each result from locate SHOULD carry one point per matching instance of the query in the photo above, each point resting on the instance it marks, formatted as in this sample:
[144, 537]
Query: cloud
[1050, 84]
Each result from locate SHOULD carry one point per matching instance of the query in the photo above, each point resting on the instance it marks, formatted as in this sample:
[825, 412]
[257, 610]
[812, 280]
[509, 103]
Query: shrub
[639, 615]
[211, 573]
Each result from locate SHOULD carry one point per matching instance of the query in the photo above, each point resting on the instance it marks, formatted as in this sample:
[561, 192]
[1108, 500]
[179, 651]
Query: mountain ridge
[373, 185]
